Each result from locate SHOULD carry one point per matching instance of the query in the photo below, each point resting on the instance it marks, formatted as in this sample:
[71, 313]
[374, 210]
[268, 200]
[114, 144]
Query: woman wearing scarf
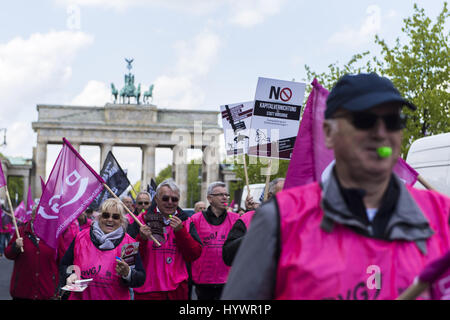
[94, 254]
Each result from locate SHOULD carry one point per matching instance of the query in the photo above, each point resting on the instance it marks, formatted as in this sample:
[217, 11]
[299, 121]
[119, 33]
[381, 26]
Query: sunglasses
[367, 120]
[107, 215]
[167, 198]
[227, 195]
[145, 203]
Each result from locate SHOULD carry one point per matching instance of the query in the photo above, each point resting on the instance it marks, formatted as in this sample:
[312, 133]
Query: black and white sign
[276, 118]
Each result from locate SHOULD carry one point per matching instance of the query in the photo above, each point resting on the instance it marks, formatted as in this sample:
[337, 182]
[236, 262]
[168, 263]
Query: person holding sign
[209, 273]
[96, 253]
[360, 234]
[35, 272]
[165, 265]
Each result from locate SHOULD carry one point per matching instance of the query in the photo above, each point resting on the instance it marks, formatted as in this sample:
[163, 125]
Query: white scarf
[106, 240]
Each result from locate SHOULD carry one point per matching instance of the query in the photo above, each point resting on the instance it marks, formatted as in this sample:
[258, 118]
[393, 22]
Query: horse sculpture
[129, 89]
[114, 92]
[148, 94]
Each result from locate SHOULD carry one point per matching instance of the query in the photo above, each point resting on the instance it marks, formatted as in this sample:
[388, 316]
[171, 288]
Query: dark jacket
[35, 273]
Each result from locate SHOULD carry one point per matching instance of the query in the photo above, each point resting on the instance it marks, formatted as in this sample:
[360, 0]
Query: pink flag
[2, 176]
[30, 204]
[42, 184]
[20, 213]
[437, 274]
[310, 156]
[71, 187]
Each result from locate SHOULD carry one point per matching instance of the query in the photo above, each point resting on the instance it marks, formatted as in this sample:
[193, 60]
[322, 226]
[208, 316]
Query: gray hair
[168, 183]
[215, 185]
[144, 192]
[273, 183]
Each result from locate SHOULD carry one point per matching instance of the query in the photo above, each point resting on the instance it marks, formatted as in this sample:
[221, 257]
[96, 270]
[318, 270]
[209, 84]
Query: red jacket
[35, 273]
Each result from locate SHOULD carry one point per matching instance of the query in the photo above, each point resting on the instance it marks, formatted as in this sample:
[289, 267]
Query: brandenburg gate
[132, 125]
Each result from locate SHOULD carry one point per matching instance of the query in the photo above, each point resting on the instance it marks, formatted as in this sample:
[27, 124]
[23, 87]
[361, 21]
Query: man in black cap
[361, 233]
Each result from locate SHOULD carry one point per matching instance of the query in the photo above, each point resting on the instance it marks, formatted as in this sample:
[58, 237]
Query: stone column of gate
[40, 163]
[210, 162]
[26, 184]
[179, 168]
[104, 149]
[148, 165]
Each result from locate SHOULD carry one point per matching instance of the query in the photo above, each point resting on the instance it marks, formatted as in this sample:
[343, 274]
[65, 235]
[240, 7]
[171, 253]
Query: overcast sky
[200, 54]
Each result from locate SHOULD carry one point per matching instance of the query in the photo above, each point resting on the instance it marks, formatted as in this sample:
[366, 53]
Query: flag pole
[266, 188]
[424, 182]
[12, 214]
[132, 214]
[246, 175]
[413, 291]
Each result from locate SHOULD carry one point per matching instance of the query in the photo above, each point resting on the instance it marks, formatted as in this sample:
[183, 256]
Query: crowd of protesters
[314, 241]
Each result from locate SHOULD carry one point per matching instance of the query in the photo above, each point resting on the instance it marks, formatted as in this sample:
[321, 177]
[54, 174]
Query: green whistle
[384, 152]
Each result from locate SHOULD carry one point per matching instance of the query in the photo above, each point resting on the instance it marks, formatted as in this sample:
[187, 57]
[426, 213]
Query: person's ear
[329, 128]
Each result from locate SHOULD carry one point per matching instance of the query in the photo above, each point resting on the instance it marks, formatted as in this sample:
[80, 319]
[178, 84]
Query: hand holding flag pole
[131, 213]
[4, 184]
[12, 215]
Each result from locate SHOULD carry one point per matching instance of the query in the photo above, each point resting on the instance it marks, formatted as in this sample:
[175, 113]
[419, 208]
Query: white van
[430, 156]
[255, 191]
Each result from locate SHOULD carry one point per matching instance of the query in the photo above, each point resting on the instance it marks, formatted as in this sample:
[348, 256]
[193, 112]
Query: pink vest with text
[342, 264]
[99, 265]
[164, 266]
[247, 218]
[210, 268]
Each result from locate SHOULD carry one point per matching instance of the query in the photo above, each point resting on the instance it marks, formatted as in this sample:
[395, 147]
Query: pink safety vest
[210, 268]
[99, 265]
[247, 217]
[315, 264]
[164, 266]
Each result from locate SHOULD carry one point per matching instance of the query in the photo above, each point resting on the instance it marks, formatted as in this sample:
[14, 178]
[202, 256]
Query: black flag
[115, 178]
[151, 188]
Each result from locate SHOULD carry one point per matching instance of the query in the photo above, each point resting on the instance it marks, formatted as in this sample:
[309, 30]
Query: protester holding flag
[165, 265]
[363, 232]
[240, 227]
[98, 254]
[5, 229]
[35, 272]
[209, 273]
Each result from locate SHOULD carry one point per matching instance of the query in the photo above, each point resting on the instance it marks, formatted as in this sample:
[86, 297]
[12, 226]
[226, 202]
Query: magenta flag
[310, 156]
[20, 213]
[30, 204]
[71, 187]
[437, 274]
[42, 184]
[2, 176]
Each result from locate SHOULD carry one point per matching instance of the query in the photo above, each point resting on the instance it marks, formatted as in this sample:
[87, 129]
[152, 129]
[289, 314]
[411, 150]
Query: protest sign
[276, 118]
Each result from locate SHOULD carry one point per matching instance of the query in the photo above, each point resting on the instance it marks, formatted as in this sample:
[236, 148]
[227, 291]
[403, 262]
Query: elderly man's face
[219, 198]
[355, 149]
[128, 202]
[167, 200]
[142, 202]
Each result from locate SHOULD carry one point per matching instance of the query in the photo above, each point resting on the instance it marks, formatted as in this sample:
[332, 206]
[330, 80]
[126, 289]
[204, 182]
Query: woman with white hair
[96, 253]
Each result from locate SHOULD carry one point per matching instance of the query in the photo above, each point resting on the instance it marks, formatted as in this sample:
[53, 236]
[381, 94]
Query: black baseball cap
[359, 92]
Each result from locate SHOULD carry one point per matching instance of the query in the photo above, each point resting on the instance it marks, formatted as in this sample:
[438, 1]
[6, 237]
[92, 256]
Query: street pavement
[6, 267]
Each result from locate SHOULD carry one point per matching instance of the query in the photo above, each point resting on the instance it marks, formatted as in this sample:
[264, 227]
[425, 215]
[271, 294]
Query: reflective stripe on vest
[315, 264]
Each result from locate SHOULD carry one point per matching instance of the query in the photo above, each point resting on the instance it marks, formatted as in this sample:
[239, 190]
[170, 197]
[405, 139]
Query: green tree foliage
[15, 186]
[419, 68]
[164, 174]
[256, 168]
[194, 181]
